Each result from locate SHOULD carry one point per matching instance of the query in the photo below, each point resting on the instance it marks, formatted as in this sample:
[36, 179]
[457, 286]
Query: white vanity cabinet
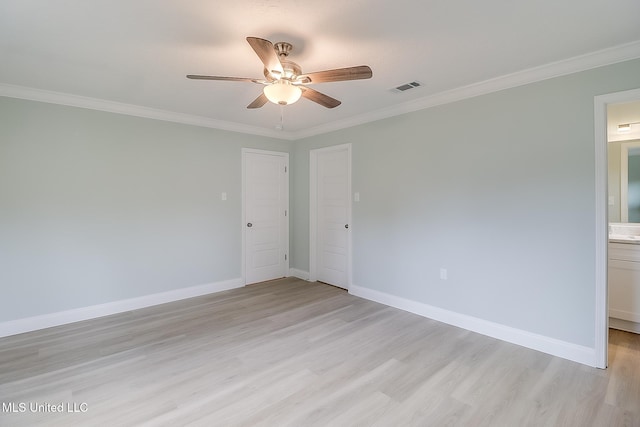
[624, 284]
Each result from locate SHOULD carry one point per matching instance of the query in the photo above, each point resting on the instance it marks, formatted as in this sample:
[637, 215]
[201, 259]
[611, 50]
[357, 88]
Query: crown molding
[60, 98]
[572, 65]
[575, 64]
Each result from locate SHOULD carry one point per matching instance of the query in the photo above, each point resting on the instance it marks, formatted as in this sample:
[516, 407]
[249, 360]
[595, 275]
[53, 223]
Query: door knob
[346, 226]
[249, 225]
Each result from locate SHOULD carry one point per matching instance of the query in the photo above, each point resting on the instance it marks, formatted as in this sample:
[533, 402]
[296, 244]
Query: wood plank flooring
[293, 353]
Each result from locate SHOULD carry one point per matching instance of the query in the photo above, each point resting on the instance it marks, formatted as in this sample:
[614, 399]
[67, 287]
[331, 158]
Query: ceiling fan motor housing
[291, 71]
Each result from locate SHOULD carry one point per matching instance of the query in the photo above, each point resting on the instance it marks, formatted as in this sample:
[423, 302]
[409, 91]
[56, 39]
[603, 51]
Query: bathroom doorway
[623, 152]
[607, 203]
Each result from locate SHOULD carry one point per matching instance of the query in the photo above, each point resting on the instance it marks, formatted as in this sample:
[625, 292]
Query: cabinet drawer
[624, 252]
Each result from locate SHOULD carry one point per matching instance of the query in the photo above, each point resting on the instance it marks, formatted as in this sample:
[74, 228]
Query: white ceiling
[137, 52]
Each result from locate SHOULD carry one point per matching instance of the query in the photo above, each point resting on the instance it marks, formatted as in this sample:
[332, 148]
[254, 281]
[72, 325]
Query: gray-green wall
[98, 207]
[498, 189]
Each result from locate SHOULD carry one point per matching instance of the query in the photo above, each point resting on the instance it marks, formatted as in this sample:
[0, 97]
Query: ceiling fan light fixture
[282, 92]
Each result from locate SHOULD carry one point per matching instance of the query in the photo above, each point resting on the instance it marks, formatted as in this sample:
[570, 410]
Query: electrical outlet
[443, 274]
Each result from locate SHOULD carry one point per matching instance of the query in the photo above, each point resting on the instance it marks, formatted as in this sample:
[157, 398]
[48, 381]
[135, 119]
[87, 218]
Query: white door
[266, 223]
[333, 212]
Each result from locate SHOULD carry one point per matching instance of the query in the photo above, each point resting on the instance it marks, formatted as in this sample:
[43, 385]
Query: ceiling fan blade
[258, 102]
[340, 74]
[226, 79]
[320, 98]
[266, 53]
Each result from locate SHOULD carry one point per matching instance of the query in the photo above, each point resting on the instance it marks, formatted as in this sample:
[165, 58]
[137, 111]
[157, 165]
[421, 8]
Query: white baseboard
[624, 315]
[300, 274]
[555, 347]
[13, 327]
[624, 325]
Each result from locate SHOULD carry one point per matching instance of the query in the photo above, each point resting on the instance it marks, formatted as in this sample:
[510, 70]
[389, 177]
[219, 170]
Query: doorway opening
[601, 104]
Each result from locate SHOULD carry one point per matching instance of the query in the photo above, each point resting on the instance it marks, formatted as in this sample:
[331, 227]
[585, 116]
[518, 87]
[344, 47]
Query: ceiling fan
[284, 82]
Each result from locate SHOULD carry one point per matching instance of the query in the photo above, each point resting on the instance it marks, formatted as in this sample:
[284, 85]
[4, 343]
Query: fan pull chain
[281, 127]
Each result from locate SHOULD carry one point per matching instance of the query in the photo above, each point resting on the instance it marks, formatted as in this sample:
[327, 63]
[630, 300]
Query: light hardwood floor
[293, 353]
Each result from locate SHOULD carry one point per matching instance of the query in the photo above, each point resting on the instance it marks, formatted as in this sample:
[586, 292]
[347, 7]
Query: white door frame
[285, 202]
[602, 220]
[313, 211]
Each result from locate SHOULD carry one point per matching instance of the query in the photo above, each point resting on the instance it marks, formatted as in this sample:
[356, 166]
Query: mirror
[624, 163]
[624, 179]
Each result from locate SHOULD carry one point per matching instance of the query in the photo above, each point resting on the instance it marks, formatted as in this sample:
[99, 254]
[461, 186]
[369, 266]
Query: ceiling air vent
[405, 87]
